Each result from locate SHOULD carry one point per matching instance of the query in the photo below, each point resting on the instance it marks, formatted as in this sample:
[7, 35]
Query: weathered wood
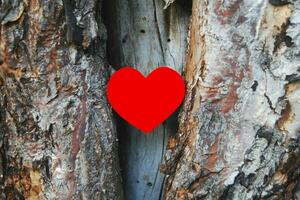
[239, 129]
[143, 35]
[58, 140]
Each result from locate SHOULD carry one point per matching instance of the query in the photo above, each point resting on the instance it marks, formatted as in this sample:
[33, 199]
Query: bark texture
[58, 140]
[239, 129]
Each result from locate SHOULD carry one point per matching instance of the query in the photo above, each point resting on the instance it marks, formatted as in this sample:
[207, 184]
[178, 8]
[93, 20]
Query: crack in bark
[158, 31]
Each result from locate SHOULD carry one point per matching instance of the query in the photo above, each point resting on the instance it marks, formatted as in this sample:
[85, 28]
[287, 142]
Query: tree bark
[239, 128]
[58, 140]
[238, 131]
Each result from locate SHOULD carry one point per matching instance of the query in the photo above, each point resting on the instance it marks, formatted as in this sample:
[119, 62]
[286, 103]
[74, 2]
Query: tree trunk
[58, 139]
[239, 128]
[238, 131]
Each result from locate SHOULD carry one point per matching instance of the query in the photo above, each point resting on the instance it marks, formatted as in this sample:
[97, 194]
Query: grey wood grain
[143, 35]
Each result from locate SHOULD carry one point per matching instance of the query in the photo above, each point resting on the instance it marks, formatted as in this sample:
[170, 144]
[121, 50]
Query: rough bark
[58, 140]
[144, 35]
[239, 128]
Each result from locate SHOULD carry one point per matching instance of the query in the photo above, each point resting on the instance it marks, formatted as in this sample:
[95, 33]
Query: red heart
[145, 102]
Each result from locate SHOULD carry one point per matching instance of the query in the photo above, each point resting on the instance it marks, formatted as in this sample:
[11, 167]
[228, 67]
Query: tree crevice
[144, 35]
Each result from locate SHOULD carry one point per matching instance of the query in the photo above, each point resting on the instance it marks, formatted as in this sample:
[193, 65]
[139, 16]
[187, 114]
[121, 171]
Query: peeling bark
[239, 128]
[58, 137]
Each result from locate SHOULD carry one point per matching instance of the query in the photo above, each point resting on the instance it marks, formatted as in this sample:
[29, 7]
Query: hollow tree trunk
[143, 35]
[239, 126]
[239, 129]
[57, 136]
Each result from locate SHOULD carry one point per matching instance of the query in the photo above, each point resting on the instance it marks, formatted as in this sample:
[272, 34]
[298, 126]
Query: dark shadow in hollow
[143, 35]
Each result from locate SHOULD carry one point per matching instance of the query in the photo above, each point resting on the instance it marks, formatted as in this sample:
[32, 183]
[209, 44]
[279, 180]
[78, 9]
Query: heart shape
[145, 102]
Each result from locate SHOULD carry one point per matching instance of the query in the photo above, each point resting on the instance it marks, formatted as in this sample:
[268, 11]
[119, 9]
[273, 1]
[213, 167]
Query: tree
[58, 137]
[239, 126]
